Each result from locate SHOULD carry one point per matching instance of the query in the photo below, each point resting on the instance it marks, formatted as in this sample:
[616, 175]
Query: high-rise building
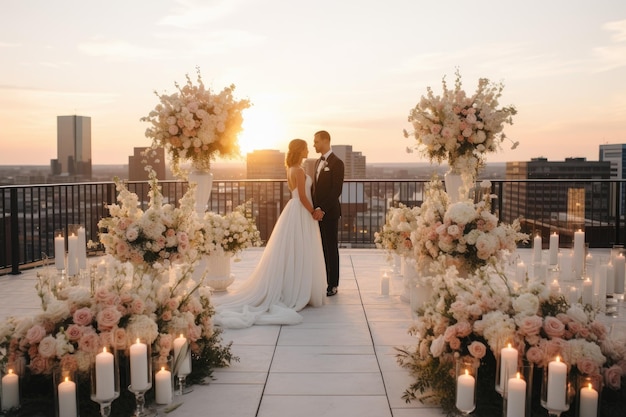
[73, 147]
[268, 164]
[616, 155]
[138, 161]
[353, 162]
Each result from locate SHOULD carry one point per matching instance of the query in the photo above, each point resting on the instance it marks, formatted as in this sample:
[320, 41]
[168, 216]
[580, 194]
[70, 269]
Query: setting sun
[261, 130]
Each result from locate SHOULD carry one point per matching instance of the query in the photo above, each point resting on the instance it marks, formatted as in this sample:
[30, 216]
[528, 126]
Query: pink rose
[39, 365]
[90, 342]
[455, 343]
[463, 329]
[587, 366]
[553, 327]
[477, 349]
[137, 306]
[535, 355]
[531, 325]
[83, 316]
[118, 338]
[166, 315]
[599, 329]
[35, 334]
[69, 363]
[613, 377]
[165, 342]
[74, 332]
[108, 318]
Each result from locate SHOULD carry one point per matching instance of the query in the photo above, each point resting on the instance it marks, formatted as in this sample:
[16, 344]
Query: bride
[291, 272]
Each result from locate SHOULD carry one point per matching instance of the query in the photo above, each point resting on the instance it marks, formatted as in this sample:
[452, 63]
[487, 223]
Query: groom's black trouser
[329, 229]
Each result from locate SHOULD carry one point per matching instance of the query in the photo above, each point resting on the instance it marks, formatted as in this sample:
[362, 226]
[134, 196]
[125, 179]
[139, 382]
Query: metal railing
[32, 213]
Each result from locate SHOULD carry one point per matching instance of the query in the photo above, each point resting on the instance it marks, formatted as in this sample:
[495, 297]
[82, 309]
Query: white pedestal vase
[458, 185]
[218, 274]
[204, 183]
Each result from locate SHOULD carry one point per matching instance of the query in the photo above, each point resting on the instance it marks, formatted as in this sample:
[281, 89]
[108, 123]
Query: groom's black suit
[326, 191]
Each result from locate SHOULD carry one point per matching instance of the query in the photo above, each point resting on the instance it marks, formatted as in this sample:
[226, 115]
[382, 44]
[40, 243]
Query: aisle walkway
[339, 362]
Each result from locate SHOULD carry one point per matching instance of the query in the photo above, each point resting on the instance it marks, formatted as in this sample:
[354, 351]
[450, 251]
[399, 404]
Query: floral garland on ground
[458, 128]
[196, 124]
[475, 316]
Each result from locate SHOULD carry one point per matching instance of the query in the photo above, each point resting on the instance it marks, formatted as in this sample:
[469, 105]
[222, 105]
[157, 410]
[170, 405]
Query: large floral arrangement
[229, 233]
[475, 316]
[458, 128]
[196, 124]
[76, 321]
[395, 236]
[161, 235]
[465, 234]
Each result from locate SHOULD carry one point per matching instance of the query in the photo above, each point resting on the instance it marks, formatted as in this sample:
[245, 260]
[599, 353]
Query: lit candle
[10, 391]
[384, 284]
[579, 253]
[588, 402]
[67, 398]
[105, 376]
[557, 386]
[587, 294]
[537, 243]
[554, 249]
[72, 255]
[59, 252]
[163, 386]
[520, 272]
[465, 385]
[610, 278]
[184, 363]
[516, 398]
[620, 272]
[508, 365]
[139, 366]
[555, 287]
[573, 294]
[82, 248]
[602, 279]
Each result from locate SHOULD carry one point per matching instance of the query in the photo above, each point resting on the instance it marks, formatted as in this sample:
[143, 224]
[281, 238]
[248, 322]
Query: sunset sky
[354, 68]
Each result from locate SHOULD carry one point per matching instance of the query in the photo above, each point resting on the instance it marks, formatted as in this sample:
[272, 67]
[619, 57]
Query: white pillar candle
[537, 244]
[579, 253]
[557, 385]
[554, 249]
[139, 366]
[184, 363]
[10, 391]
[163, 386]
[520, 272]
[384, 284]
[516, 397]
[590, 265]
[555, 287]
[587, 293]
[573, 294]
[566, 266]
[610, 278]
[620, 272]
[82, 248]
[105, 376]
[465, 386]
[508, 365]
[59, 252]
[602, 279]
[67, 398]
[588, 402]
[72, 255]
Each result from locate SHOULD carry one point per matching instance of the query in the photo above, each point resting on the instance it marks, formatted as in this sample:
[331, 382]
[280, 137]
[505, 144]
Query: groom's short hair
[324, 135]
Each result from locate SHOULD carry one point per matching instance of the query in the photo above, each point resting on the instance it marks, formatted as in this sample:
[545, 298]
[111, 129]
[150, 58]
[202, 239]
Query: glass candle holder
[65, 393]
[466, 375]
[139, 374]
[9, 390]
[163, 380]
[588, 395]
[182, 363]
[105, 380]
[556, 389]
[507, 359]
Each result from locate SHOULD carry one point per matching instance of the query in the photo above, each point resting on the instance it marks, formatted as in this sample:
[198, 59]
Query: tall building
[616, 155]
[138, 160]
[354, 162]
[73, 147]
[569, 204]
[268, 164]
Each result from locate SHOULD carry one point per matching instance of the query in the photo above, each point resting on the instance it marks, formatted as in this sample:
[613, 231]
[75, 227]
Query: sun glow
[262, 129]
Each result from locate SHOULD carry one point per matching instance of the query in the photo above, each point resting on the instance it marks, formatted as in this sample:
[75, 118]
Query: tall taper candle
[59, 252]
[579, 254]
[554, 249]
[72, 255]
[537, 244]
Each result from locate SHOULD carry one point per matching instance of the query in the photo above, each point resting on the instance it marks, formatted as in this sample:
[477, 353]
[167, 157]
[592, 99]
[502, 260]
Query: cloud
[118, 50]
[9, 45]
[212, 42]
[191, 14]
[613, 56]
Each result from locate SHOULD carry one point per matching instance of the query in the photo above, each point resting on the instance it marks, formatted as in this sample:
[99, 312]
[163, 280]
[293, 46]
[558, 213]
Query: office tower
[268, 164]
[616, 155]
[354, 162]
[73, 147]
[138, 161]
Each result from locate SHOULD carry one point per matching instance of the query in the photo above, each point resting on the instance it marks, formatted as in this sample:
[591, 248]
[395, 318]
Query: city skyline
[353, 69]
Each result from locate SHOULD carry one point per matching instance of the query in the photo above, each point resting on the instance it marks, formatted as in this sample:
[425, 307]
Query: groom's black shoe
[331, 291]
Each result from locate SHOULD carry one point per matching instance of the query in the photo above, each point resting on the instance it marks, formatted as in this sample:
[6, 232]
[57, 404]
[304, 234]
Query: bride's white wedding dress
[290, 274]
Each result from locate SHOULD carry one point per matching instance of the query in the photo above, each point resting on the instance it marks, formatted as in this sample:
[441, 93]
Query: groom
[327, 186]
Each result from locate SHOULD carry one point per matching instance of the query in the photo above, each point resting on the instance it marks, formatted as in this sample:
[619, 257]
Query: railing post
[15, 235]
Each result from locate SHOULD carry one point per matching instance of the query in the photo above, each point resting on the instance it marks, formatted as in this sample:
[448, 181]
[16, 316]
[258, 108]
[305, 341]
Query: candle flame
[10, 371]
[163, 368]
[104, 349]
[509, 346]
[138, 341]
[590, 386]
[466, 372]
[558, 359]
[518, 376]
[181, 335]
[67, 379]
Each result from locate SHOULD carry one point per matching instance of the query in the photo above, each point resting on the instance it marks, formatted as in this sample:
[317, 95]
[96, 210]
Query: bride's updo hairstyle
[296, 150]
